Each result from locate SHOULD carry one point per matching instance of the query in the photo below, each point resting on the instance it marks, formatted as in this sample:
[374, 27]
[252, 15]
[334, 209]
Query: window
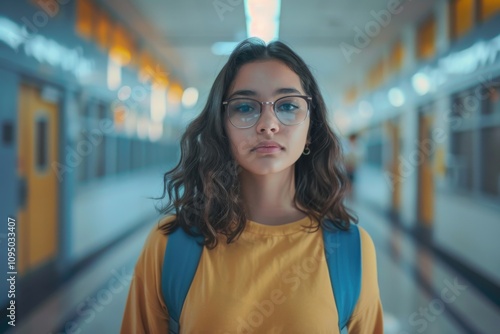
[93, 145]
[7, 133]
[462, 159]
[465, 105]
[474, 155]
[41, 144]
[102, 111]
[373, 148]
[101, 157]
[83, 174]
[426, 38]
[136, 155]
[490, 160]
[374, 154]
[492, 103]
[123, 154]
[490, 139]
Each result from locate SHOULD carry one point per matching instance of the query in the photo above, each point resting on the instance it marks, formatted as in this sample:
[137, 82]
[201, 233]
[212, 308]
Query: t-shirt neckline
[283, 229]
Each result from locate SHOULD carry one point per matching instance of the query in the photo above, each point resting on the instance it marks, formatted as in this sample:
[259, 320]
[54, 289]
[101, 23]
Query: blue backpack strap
[182, 255]
[343, 255]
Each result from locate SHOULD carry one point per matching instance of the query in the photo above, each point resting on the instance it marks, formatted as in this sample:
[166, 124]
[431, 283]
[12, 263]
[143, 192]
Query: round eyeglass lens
[291, 110]
[243, 112]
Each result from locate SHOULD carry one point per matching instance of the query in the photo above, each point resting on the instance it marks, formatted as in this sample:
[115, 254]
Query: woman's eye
[287, 107]
[244, 108]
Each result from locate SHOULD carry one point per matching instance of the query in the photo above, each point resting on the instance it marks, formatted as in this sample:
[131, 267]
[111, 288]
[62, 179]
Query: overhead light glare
[263, 19]
[190, 97]
[421, 83]
[396, 97]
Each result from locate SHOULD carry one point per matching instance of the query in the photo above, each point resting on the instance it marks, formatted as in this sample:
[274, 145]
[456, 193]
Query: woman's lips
[267, 146]
[267, 149]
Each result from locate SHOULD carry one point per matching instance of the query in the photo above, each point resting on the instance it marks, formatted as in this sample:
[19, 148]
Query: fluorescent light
[396, 97]
[421, 83]
[174, 97]
[189, 97]
[114, 74]
[263, 19]
[365, 109]
[158, 103]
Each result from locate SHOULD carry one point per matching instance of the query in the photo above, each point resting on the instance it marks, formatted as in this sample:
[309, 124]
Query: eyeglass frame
[307, 98]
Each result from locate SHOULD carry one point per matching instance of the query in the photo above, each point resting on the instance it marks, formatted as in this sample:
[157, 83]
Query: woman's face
[269, 146]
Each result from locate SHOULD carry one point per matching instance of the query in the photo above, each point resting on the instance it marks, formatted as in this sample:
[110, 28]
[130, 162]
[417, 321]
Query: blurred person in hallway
[260, 180]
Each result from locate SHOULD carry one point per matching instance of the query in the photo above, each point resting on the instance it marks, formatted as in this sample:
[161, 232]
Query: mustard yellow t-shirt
[273, 279]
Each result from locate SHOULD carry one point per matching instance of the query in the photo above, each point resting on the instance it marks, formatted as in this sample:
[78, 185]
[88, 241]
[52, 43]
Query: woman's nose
[268, 121]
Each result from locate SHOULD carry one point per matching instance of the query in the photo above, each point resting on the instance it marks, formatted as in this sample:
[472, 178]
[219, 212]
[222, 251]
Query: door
[37, 150]
[425, 170]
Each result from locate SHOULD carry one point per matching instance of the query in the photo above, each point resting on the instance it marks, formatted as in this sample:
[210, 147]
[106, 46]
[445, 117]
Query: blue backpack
[343, 255]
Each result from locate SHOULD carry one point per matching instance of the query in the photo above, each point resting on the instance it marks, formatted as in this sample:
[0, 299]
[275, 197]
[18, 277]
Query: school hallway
[96, 96]
[420, 292]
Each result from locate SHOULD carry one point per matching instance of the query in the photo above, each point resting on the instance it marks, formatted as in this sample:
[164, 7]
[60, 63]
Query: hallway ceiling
[184, 31]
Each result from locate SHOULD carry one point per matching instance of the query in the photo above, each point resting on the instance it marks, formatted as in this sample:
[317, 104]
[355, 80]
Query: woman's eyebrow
[290, 90]
[244, 92]
[248, 92]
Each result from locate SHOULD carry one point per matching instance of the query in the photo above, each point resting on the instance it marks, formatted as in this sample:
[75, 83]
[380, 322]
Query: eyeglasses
[244, 112]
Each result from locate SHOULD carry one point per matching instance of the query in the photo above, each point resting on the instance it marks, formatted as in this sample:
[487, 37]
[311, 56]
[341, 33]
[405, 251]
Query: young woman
[259, 176]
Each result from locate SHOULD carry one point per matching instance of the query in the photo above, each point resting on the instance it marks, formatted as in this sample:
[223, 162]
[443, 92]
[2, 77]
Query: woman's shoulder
[154, 246]
[369, 286]
[368, 252]
[366, 241]
[367, 316]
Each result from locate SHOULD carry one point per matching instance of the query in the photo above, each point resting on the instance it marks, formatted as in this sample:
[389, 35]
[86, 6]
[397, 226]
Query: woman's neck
[268, 199]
